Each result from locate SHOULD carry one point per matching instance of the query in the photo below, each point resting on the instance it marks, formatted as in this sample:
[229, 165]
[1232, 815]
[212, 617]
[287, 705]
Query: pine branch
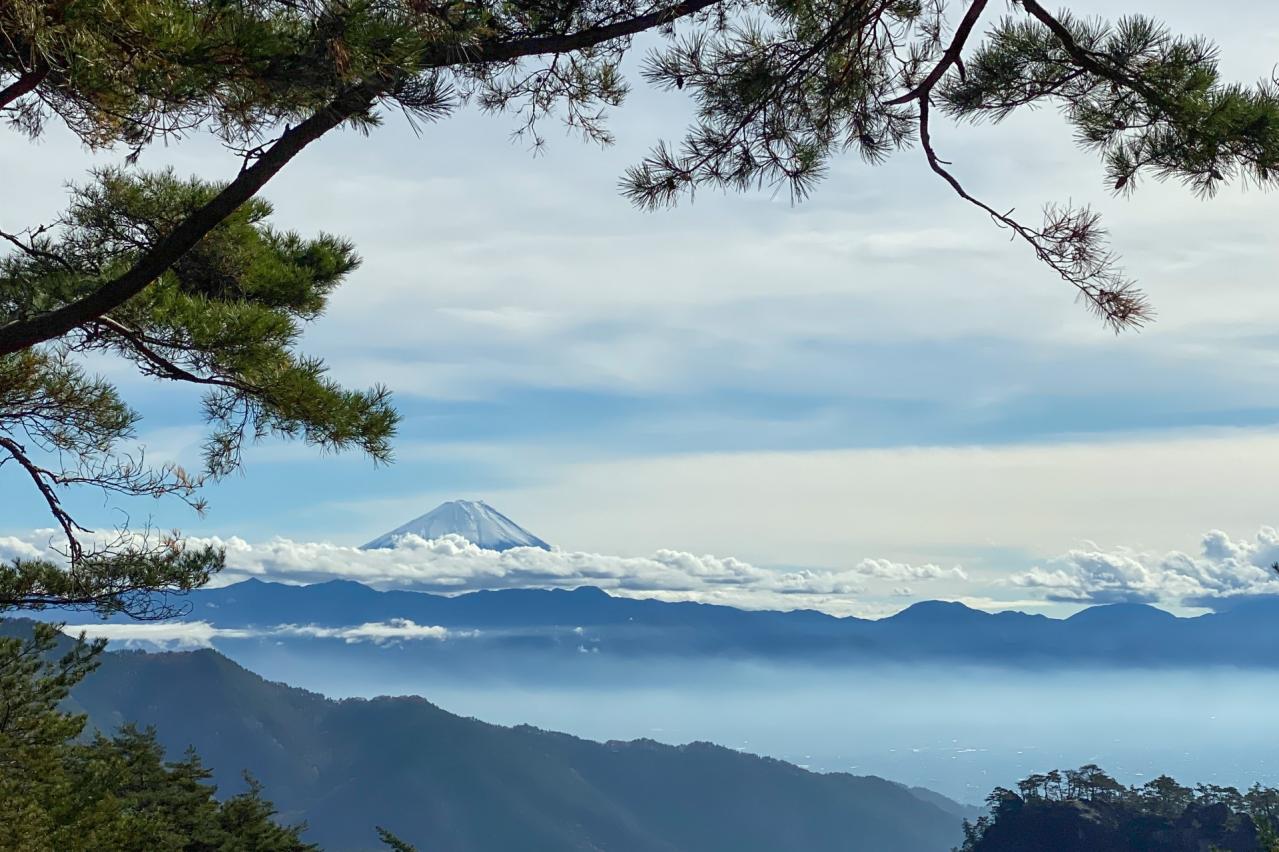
[954, 53]
[483, 53]
[162, 365]
[21, 334]
[1094, 63]
[24, 85]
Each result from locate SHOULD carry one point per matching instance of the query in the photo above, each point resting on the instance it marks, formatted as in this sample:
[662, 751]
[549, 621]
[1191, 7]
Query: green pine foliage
[226, 316]
[1148, 101]
[131, 73]
[62, 792]
[394, 843]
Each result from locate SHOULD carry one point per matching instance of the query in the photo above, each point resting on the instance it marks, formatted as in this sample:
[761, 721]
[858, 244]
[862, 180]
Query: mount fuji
[474, 520]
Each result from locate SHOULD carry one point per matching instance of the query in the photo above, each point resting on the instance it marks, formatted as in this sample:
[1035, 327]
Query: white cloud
[377, 632]
[179, 634]
[12, 547]
[453, 564]
[884, 569]
[201, 634]
[1224, 569]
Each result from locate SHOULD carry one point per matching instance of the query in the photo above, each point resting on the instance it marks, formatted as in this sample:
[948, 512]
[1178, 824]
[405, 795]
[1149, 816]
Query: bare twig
[1068, 242]
[44, 481]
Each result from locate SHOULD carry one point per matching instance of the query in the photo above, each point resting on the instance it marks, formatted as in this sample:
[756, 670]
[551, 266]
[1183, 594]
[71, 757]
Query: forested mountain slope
[452, 783]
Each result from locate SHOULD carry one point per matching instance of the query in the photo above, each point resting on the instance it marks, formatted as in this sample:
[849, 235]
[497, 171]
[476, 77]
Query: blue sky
[876, 373]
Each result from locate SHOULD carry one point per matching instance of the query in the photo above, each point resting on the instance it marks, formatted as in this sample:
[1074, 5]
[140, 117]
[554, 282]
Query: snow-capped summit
[474, 520]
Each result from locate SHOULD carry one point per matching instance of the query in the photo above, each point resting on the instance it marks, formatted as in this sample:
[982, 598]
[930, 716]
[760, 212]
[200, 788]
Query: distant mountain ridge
[564, 621]
[451, 784]
[474, 520]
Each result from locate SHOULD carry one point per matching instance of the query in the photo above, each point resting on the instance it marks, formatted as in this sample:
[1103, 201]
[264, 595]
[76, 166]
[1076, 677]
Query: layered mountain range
[452, 784]
[567, 621]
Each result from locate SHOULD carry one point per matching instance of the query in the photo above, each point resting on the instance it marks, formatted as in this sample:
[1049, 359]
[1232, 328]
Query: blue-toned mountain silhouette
[474, 520]
[501, 625]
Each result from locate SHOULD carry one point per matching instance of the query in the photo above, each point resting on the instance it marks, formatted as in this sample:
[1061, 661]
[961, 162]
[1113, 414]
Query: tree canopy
[187, 280]
[60, 790]
[1085, 809]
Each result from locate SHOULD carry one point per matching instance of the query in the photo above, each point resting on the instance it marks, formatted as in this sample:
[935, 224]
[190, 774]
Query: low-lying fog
[957, 730]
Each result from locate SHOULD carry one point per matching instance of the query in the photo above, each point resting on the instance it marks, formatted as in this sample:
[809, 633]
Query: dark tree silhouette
[1092, 812]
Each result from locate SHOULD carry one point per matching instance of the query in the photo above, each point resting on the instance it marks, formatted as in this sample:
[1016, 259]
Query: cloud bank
[1223, 570]
[451, 564]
